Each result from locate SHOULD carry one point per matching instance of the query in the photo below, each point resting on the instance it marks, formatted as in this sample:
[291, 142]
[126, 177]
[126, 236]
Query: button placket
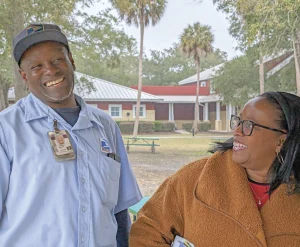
[83, 194]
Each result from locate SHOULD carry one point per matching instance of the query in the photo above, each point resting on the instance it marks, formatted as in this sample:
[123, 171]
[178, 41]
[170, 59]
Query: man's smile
[54, 83]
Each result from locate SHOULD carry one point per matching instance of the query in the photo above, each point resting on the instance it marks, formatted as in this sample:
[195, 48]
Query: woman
[246, 194]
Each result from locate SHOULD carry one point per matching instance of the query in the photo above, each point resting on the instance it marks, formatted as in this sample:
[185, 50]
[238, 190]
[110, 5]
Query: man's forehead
[50, 45]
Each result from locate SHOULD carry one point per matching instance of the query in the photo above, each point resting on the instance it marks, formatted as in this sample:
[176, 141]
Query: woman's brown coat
[209, 203]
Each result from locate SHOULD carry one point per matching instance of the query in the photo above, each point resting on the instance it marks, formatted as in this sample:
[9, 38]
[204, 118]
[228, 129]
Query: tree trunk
[4, 87]
[296, 46]
[17, 26]
[196, 115]
[261, 73]
[138, 102]
[3, 103]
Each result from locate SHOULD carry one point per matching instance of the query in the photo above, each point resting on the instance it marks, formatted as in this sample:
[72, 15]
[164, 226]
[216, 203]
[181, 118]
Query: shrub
[158, 126]
[126, 127]
[168, 126]
[146, 127]
[204, 126]
[187, 126]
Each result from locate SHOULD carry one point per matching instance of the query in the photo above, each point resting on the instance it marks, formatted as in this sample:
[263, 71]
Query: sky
[178, 15]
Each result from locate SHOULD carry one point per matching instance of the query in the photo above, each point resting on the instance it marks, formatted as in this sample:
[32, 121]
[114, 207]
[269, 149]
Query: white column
[233, 110]
[218, 108]
[171, 112]
[205, 112]
[228, 116]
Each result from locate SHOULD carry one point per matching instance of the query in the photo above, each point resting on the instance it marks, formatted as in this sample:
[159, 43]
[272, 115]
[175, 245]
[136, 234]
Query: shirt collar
[35, 109]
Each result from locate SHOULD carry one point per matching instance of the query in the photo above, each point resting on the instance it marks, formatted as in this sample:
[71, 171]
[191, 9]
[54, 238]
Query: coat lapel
[223, 186]
[283, 211]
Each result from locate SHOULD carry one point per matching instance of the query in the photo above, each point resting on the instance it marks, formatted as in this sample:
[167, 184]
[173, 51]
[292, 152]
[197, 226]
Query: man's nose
[50, 68]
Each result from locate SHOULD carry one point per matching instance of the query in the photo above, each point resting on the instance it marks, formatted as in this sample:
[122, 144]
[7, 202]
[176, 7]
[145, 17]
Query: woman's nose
[239, 130]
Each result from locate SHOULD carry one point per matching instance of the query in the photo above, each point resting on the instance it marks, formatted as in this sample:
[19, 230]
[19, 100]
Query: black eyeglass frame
[253, 125]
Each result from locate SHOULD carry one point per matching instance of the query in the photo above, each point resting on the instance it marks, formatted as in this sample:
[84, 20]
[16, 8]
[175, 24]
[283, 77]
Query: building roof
[204, 75]
[279, 66]
[190, 99]
[273, 56]
[109, 91]
[174, 90]
[103, 90]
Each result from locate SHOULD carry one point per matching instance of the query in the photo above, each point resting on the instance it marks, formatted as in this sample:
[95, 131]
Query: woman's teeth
[238, 146]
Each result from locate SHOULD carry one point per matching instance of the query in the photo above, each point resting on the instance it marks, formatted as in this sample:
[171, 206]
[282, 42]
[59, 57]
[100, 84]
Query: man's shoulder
[101, 115]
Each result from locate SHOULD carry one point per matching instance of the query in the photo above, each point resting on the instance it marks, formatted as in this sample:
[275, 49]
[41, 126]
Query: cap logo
[34, 28]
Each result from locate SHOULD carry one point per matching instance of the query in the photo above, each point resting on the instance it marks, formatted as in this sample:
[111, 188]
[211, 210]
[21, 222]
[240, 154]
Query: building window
[203, 84]
[142, 111]
[115, 111]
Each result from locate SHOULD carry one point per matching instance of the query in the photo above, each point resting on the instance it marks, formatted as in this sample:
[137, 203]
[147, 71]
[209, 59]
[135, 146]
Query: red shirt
[260, 192]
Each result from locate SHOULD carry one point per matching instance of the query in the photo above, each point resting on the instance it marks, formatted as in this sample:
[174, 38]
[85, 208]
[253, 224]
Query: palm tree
[196, 42]
[140, 13]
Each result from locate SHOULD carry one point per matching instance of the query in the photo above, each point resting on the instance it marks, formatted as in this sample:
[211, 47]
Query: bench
[136, 208]
[142, 141]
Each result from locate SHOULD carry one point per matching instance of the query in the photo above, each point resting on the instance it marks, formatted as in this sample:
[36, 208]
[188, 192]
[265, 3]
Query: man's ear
[72, 60]
[23, 75]
[280, 142]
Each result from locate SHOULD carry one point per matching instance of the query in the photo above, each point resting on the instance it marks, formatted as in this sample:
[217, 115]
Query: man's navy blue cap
[36, 33]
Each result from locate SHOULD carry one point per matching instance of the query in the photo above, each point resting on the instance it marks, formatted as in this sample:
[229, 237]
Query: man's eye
[36, 66]
[58, 60]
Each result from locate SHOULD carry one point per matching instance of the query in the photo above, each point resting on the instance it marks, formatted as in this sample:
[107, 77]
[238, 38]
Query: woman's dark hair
[288, 172]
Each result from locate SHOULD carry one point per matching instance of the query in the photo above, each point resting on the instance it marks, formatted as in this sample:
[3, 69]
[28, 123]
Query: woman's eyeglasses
[247, 125]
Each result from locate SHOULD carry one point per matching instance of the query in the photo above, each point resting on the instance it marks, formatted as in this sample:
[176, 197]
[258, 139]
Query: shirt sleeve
[4, 171]
[129, 192]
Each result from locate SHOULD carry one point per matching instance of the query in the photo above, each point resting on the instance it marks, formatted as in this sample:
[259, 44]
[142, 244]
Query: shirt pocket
[110, 176]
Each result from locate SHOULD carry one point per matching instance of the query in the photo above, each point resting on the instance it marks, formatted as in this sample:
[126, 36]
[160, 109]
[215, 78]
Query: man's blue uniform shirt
[68, 203]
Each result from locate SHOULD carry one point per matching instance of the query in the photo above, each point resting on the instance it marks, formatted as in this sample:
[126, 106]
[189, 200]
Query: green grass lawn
[174, 152]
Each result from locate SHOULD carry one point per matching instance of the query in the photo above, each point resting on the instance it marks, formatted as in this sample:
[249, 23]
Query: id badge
[61, 145]
[181, 242]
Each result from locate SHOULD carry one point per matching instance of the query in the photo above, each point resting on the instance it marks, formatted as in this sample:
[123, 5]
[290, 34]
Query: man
[77, 195]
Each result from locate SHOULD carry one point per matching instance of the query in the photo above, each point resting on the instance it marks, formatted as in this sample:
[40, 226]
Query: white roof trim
[190, 98]
[280, 66]
[204, 75]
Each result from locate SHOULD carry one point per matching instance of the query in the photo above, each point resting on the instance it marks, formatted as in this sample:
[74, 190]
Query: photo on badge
[61, 145]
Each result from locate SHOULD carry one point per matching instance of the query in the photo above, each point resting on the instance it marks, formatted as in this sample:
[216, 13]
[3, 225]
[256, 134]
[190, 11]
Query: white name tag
[181, 242]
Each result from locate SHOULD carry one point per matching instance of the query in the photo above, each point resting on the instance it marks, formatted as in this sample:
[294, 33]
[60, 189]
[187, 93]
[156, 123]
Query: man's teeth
[238, 146]
[51, 83]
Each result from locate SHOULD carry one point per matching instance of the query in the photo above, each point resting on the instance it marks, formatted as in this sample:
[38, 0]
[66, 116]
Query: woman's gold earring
[279, 157]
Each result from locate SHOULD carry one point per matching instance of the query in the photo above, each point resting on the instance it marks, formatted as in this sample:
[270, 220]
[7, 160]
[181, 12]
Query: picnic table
[136, 208]
[142, 141]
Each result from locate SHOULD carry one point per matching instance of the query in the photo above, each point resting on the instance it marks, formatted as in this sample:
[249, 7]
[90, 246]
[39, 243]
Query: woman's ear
[280, 142]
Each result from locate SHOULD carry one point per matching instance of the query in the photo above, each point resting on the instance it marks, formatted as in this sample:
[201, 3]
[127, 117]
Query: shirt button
[83, 209]
[80, 153]
[83, 180]
[82, 239]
